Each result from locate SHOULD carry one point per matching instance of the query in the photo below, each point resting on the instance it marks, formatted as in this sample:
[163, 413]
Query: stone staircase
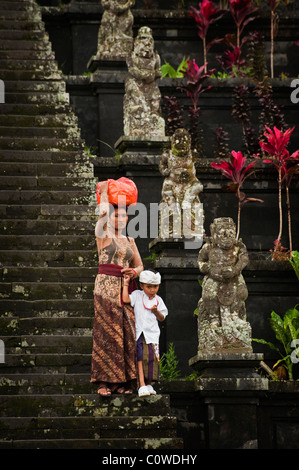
[48, 264]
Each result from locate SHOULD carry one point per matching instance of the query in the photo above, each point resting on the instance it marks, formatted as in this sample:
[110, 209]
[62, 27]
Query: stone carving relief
[115, 37]
[222, 324]
[142, 115]
[180, 208]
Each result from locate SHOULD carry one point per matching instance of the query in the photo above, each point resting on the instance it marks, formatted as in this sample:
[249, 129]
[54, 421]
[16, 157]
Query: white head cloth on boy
[149, 277]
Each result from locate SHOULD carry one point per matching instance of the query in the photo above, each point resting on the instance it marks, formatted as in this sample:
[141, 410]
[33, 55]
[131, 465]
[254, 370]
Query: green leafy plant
[169, 364]
[294, 260]
[286, 330]
[169, 71]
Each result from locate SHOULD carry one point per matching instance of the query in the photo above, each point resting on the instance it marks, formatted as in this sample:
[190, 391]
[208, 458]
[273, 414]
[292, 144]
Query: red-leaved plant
[195, 77]
[286, 165]
[207, 14]
[237, 171]
[242, 11]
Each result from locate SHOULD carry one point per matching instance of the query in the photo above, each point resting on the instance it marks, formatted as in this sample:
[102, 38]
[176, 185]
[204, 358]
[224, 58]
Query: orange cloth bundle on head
[120, 192]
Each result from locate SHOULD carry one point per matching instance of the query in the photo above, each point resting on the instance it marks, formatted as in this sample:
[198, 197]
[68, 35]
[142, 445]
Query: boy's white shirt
[146, 321]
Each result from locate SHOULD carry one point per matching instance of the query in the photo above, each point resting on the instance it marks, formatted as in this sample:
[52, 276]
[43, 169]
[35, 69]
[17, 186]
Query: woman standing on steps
[113, 364]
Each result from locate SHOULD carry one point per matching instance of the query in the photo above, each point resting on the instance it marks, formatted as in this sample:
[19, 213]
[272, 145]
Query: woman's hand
[103, 187]
[130, 272]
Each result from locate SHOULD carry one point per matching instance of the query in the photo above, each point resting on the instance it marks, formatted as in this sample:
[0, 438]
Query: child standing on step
[149, 309]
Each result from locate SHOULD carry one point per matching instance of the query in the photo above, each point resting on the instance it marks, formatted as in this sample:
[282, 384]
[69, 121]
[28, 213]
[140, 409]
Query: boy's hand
[154, 309]
[127, 279]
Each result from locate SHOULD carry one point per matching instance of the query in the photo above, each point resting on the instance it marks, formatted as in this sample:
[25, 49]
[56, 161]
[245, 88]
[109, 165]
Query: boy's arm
[126, 297]
[159, 315]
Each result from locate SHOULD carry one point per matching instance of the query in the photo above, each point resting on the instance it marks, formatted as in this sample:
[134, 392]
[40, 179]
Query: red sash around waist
[115, 270]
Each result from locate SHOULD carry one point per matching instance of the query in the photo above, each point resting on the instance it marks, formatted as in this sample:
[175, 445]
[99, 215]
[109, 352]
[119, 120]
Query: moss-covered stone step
[69, 196]
[28, 55]
[46, 363]
[103, 444]
[11, 24]
[53, 274]
[44, 290]
[48, 169]
[12, 73]
[19, 16]
[44, 242]
[47, 183]
[47, 212]
[17, 44]
[27, 35]
[47, 405]
[34, 156]
[44, 344]
[46, 307]
[42, 132]
[36, 98]
[46, 227]
[47, 143]
[51, 121]
[31, 109]
[86, 427]
[49, 258]
[16, 5]
[23, 384]
[47, 326]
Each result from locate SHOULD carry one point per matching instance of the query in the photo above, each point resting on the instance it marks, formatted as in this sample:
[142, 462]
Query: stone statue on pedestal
[142, 95]
[181, 212]
[115, 37]
[222, 324]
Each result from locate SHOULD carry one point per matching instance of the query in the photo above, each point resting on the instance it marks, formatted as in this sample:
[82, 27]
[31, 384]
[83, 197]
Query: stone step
[46, 212]
[70, 196]
[23, 384]
[35, 143]
[38, 363]
[24, 36]
[16, 5]
[46, 183]
[86, 427]
[45, 65]
[36, 98]
[19, 16]
[46, 227]
[41, 274]
[23, 109]
[43, 290]
[49, 132]
[46, 307]
[49, 257]
[46, 121]
[18, 44]
[28, 54]
[20, 74]
[48, 242]
[12, 24]
[102, 444]
[46, 344]
[34, 156]
[63, 405]
[47, 169]
[47, 325]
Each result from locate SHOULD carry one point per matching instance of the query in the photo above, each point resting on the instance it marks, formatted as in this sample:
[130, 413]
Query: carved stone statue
[142, 95]
[180, 201]
[222, 324]
[115, 37]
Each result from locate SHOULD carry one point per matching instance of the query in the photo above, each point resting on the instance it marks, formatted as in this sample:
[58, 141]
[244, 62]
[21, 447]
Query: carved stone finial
[142, 115]
[222, 324]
